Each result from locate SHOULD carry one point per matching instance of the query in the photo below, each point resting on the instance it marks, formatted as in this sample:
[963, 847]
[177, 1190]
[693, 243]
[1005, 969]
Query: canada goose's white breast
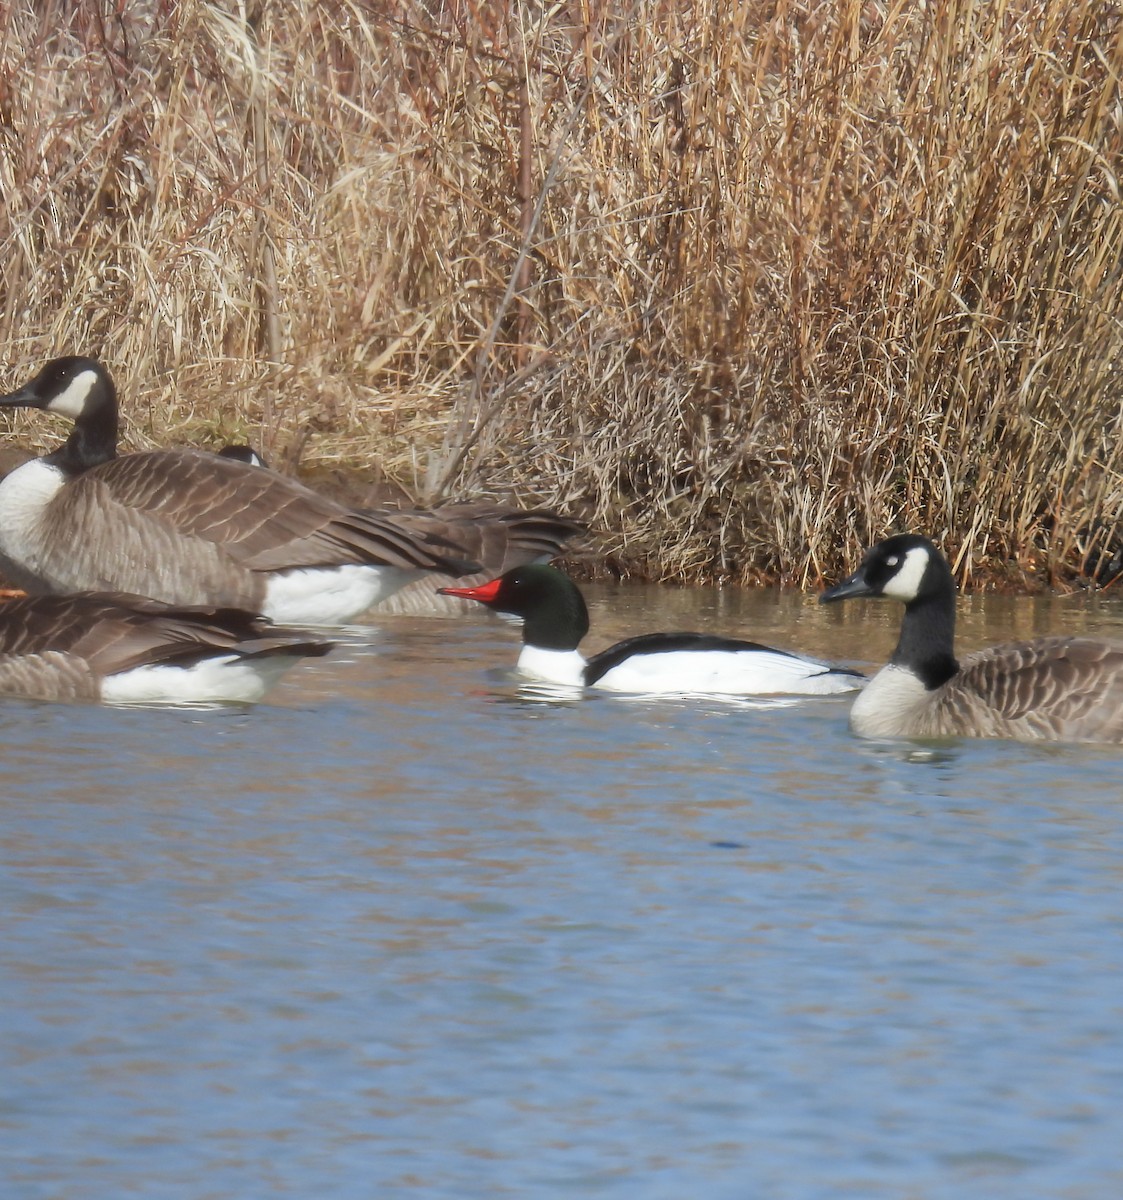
[725, 673]
[565, 667]
[25, 494]
[329, 595]
[889, 703]
[227, 678]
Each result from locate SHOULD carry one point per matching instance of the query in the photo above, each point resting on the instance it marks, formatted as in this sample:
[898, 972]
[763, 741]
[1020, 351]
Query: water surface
[405, 930]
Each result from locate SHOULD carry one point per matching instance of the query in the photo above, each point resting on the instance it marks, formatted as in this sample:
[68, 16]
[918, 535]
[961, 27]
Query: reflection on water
[410, 931]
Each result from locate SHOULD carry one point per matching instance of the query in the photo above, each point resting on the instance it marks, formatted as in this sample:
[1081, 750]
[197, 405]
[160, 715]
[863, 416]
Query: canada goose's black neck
[92, 441]
[926, 646]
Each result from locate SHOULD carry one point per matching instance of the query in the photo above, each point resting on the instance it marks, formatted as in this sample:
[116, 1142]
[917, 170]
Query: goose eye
[892, 560]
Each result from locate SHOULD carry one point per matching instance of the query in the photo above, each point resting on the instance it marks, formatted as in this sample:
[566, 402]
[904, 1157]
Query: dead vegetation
[748, 286]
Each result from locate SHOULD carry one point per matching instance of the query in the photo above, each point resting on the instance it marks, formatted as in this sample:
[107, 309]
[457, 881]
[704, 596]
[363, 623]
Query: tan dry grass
[749, 285]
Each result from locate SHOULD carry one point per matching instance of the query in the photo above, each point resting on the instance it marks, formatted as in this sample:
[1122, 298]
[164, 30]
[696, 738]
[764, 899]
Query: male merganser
[1052, 688]
[555, 620]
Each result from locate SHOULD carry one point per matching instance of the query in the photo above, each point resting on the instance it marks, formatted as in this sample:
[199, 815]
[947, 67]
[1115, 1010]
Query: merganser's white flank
[555, 620]
[498, 536]
[188, 527]
[1053, 688]
[128, 650]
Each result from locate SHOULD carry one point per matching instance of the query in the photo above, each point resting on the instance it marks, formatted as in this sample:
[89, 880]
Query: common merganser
[189, 527]
[555, 619]
[1052, 688]
[129, 650]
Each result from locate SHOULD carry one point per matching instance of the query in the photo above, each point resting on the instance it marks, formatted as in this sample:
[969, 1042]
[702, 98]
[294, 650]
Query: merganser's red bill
[485, 593]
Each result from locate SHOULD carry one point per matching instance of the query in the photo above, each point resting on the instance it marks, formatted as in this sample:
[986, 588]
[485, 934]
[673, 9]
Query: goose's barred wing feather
[262, 520]
[114, 632]
[1056, 687]
[497, 536]
[62, 647]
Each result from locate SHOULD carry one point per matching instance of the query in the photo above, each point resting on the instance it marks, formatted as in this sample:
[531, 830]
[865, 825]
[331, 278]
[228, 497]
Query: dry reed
[747, 285]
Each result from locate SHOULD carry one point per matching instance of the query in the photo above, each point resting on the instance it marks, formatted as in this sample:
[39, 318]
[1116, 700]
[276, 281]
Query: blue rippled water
[405, 931]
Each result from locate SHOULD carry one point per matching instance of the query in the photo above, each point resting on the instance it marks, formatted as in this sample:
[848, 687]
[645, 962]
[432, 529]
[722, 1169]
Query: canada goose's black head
[75, 387]
[243, 454]
[81, 389]
[909, 568]
[906, 567]
[549, 602]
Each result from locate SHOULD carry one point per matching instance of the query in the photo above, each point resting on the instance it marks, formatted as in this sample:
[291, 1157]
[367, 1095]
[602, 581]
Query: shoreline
[599, 556]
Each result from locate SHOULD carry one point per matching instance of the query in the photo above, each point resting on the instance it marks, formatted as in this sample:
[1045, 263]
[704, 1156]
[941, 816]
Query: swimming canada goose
[1054, 688]
[189, 527]
[555, 619]
[126, 649]
[498, 536]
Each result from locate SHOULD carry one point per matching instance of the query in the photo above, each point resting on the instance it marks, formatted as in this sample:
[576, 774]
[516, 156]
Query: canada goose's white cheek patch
[71, 402]
[905, 583]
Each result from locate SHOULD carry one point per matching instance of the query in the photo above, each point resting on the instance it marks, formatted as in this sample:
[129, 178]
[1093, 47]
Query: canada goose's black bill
[855, 585]
[21, 398]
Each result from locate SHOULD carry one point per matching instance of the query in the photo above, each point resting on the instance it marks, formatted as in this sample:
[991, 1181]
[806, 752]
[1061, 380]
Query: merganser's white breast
[564, 667]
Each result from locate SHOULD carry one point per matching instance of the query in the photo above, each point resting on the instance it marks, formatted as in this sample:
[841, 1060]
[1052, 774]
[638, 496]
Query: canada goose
[1055, 688]
[188, 527]
[498, 536]
[126, 649]
[555, 620]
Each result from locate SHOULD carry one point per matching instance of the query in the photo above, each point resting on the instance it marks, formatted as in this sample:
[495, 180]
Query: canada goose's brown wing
[1069, 688]
[498, 537]
[261, 520]
[132, 632]
[48, 676]
[109, 633]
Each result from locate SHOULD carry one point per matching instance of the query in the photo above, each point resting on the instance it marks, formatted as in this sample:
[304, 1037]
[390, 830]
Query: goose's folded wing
[1059, 684]
[262, 520]
[497, 536]
[111, 632]
[48, 676]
